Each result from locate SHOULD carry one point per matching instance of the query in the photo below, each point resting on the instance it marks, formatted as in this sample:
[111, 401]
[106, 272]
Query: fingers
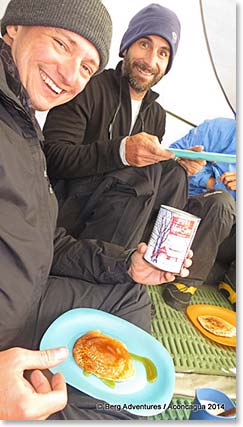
[168, 277]
[49, 398]
[228, 174]
[162, 154]
[58, 382]
[40, 382]
[46, 404]
[231, 185]
[197, 148]
[229, 180]
[228, 177]
[28, 359]
[190, 254]
[184, 272]
[192, 166]
[144, 149]
[187, 263]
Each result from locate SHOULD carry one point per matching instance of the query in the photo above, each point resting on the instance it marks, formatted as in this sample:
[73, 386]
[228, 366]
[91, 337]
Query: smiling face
[145, 63]
[54, 64]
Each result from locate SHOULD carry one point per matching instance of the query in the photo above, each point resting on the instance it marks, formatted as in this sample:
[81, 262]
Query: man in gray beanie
[103, 149]
[89, 18]
[48, 53]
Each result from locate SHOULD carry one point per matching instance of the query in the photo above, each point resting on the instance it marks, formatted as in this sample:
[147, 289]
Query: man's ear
[11, 33]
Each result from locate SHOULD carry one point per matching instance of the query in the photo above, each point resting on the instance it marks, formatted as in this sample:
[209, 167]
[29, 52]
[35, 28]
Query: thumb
[141, 248]
[43, 359]
[197, 148]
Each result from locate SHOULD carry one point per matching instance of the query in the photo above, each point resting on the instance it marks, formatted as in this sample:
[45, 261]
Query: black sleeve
[70, 151]
[162, 125]
[90, 260]
[159, 121]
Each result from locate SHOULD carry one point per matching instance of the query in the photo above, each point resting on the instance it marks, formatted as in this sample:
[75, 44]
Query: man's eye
[144, 44]
[60, 43]
[164, 54]
[87, 70]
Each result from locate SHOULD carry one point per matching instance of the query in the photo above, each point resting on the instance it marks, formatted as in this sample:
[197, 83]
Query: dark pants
[224, 268]
[128, 301]
[215, 238]
[121, 207]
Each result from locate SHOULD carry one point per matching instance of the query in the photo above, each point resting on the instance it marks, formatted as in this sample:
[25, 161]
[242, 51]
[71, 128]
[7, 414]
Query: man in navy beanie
[163, 23]
[103, 148]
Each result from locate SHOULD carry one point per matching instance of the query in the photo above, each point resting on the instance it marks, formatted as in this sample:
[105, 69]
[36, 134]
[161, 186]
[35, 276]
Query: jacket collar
[12, 76]
[11, 85]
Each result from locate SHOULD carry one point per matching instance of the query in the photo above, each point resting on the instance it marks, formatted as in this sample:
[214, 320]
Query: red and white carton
[171, 239]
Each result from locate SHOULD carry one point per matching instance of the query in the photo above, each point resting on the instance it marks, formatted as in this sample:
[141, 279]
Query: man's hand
[143, 272]
[144, 149]
[229, 180]
[192, 166]
[210, 183]
[38, 398]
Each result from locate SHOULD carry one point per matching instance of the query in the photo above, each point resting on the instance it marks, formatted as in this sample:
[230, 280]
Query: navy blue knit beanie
[153, 20]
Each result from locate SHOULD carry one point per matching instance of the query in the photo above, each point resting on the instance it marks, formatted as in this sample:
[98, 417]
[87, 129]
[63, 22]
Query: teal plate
[139, 396]
[203, 155]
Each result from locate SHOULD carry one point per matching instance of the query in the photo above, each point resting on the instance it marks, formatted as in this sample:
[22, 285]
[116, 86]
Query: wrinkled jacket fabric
[30, 245]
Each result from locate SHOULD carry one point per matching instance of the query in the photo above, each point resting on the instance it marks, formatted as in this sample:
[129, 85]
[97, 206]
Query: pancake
[217, 326]
[103, 356]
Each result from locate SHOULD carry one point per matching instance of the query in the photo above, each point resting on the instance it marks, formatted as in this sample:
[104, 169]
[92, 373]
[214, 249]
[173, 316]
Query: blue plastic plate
[203, 155]
[140, 396]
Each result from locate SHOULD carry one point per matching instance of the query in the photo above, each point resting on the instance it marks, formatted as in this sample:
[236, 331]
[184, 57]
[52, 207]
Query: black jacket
[30, 244]
[77, 140]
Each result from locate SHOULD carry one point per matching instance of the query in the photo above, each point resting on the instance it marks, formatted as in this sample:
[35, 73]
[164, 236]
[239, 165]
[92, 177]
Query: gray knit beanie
[153, 19]
[88, 18]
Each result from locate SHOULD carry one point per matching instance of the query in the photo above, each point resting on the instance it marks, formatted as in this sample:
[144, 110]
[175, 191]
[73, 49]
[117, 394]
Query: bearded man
[103, 148]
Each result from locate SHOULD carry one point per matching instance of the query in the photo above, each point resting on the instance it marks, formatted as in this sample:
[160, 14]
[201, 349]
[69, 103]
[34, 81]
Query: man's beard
[135, 81]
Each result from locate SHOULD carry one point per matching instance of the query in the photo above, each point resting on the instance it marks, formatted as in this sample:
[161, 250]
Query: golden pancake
[103, 356]
[217, 326]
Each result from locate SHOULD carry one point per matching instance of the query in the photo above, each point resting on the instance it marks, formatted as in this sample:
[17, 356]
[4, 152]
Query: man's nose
[69, 70]
[151, 58]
